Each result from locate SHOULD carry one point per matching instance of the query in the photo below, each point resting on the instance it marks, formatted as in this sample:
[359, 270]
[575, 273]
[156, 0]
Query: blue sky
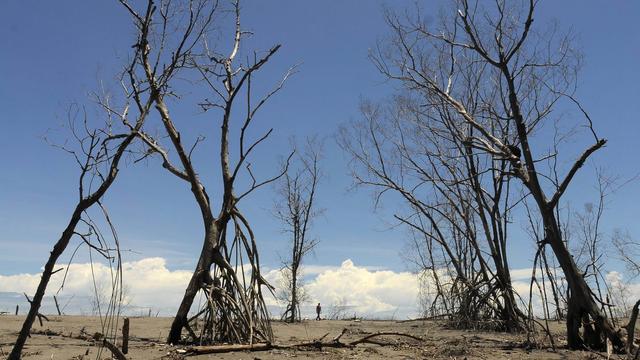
[56, 53]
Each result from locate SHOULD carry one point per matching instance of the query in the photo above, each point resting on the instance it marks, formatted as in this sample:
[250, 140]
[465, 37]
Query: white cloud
[150, 284]
[361, 290]
[364, 291]
[521, 274]
[19, 283]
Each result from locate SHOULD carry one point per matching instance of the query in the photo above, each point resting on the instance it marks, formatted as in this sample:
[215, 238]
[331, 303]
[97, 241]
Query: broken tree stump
[125, 336]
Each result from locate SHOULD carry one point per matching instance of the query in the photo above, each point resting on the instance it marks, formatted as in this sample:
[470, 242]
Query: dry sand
[148, 336]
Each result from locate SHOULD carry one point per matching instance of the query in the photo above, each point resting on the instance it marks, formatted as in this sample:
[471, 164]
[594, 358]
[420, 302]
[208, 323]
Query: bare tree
[235, 311]
[296, 209]
[458, 207]
[516, 76]
[98, 153]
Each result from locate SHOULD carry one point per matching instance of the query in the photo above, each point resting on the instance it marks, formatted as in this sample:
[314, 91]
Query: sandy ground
[148, 334]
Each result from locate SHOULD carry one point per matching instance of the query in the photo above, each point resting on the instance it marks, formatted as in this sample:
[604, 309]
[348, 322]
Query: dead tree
[98, 154]
[518, 75]
[296, 209]
[234, 311]
[458, 205]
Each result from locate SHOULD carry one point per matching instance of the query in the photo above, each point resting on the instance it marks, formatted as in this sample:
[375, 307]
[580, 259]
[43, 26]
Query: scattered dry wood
[315, 344]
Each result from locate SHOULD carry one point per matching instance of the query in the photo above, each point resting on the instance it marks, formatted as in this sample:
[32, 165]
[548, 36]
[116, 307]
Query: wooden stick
[55, 300]
[125, 336]
[337, 338]
[17, 308]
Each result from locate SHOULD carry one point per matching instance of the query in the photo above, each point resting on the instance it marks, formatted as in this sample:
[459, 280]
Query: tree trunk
[58, 249]
[294, 296]
[200, 275]
[581, 304]
[512, 316]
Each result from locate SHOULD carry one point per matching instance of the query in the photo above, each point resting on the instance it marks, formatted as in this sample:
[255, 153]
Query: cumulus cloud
[151, 285]
[366, 292]
[148, 284]
[352, 289]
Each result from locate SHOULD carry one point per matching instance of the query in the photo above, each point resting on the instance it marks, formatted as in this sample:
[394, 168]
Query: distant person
[318, 311]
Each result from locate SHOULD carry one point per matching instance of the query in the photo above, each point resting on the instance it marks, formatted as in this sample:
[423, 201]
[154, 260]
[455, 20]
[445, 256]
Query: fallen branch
[367, 338]
[117, 354]
[337, 338]
[317, 344]
[216, 349]
[427, 318]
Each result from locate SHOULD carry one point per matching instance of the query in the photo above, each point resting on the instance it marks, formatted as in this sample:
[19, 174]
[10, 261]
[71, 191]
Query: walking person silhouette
[318, 310]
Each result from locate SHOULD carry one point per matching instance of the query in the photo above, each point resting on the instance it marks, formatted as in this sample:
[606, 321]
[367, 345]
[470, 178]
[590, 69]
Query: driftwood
[316, 344]
[117, 354]
[216, 349]
[427, 318]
